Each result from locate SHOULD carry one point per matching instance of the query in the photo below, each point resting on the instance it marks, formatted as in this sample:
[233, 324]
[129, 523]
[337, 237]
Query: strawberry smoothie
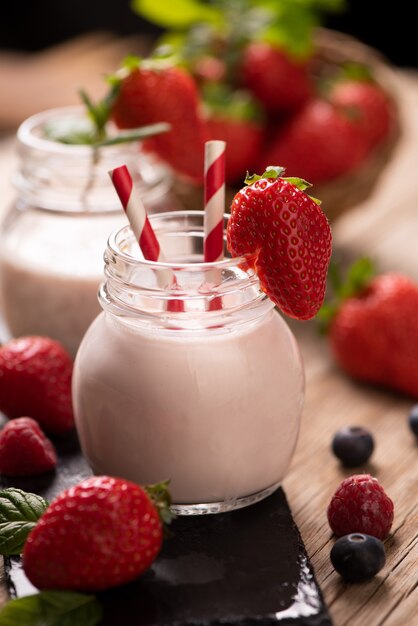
[48, 287]
[52, 240]
[209, 398]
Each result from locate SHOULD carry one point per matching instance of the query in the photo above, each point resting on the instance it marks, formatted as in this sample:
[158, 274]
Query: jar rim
[26, 136]
[227, 262]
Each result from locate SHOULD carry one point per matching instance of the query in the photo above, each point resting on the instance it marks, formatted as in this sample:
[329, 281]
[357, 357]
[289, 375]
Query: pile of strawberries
[260, 94]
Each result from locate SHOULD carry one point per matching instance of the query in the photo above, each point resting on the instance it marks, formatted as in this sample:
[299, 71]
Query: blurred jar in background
[52, 239]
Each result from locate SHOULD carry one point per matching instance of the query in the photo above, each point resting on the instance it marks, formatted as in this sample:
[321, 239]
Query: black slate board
[240, 568]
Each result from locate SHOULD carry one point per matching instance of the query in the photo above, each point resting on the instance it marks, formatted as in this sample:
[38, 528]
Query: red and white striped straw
[136, 214]
[142, 229]
[214, 194]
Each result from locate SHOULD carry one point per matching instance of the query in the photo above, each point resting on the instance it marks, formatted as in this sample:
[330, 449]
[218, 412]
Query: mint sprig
[19, 513]
[52, 608]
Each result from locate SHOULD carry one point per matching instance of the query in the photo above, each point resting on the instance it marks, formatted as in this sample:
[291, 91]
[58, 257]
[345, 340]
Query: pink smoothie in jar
[207, 397]
[52, 240]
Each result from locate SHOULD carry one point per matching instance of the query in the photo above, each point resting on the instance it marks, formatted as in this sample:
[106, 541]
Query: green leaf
[19, 513]
[300, 183]
[52, 608]
[223, 102]
[272, 171]
[99, 113]
[71, 131]
[356, 71]
[178, 15]
[358, 277]
[161, 497]
[135, 134]
[292, 23]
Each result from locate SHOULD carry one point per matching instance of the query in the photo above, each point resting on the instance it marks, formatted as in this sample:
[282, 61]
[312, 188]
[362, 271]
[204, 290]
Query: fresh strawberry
[285, 237]
[319, 143]
[102, 533]
[35, 380]
[156, 92]
[373, 333]
[360, 505]
[280, 82]
[368, 105]
[234, 117]
[24, 449]
[244, 141]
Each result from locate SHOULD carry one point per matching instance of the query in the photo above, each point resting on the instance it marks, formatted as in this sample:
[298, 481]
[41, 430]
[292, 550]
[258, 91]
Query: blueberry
[358, 557]
[353, 445]
[413, 420]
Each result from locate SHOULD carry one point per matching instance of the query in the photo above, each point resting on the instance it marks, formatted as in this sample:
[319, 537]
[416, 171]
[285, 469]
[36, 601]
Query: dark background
[36, 24]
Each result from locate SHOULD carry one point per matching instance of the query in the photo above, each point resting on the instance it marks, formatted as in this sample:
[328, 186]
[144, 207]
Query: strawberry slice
[285, 237]
[154, 91]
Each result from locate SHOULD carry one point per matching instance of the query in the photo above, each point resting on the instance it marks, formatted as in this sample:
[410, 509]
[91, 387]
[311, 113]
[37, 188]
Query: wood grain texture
[385, 226]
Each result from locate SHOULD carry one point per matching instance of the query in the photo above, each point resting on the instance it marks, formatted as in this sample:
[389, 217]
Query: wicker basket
[339, 195]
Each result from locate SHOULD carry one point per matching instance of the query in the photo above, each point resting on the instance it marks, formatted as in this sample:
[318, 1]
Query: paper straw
[142, 229]
[214, 194]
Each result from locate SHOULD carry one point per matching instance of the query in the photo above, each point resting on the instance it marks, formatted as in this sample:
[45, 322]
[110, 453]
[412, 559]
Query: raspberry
[360, 505]
[24, 449]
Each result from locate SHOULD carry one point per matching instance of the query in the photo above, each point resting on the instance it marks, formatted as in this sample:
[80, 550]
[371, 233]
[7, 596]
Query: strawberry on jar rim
[285, 236]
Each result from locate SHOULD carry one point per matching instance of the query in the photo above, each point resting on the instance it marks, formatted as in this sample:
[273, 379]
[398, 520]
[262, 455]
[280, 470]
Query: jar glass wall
[207, 394]
[52, 240]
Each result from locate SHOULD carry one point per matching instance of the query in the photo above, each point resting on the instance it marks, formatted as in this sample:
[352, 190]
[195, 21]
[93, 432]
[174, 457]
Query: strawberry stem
[161, 498]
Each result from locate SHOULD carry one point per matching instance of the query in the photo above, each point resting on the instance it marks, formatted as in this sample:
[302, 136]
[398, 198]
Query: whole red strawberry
[280, 82]
[319, 143]
[155, 92]
[234, 117]
[286, 238]
[360, 505]
[374, 334]
[368, 105]
[102, 533]
[35, 380]
[24, 449]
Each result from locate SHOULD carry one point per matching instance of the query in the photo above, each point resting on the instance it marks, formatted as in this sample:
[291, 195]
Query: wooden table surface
[385, 227]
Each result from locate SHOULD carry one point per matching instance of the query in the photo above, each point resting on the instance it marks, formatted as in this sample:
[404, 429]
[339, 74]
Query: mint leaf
[19, 513]
[135, 134]
[52, 608]
[178, 15]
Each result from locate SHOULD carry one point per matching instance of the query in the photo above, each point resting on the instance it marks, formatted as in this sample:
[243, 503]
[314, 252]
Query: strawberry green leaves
[52, 608]
[358, 277]
[19, 513]
[276, 171]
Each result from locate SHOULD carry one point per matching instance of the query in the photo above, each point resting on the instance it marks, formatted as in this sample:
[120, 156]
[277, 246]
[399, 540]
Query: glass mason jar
[52, 240]
[207, 394]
